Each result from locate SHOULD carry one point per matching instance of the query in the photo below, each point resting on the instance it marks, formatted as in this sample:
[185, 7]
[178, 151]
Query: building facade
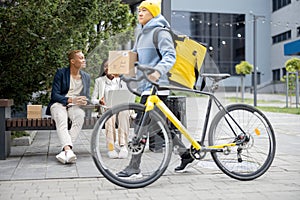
[285, 33]
[253, 30]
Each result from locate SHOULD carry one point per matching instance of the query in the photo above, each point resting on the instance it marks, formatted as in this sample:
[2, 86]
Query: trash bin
[177, 104]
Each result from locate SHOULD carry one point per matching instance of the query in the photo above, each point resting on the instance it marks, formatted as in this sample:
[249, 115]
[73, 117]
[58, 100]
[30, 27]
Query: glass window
[276, 74]
[298, 31]
[283, 71]
[224, 35]
[282, 37]
[277, 4]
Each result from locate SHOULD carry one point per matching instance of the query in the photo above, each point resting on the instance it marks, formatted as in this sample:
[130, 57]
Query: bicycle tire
[256, 156]
[153, 163]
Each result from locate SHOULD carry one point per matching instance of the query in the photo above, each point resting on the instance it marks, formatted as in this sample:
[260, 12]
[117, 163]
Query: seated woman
[104, 83]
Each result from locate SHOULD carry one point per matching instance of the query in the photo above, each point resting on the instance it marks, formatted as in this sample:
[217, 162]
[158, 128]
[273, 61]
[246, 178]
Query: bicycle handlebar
[146, 70]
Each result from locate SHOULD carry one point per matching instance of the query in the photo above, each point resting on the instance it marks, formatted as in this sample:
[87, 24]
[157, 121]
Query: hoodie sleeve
[167, 51]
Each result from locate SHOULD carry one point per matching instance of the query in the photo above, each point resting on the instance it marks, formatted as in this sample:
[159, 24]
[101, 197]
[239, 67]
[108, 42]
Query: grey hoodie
[147, 53]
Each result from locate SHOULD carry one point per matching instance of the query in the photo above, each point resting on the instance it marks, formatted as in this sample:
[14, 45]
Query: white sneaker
[123, 152]
[61, 157]
[112, 154]
[70, 156]
[117, 146]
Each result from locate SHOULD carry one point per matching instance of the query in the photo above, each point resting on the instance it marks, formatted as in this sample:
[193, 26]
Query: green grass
[250, 101]
[267, 108]
[280, 110]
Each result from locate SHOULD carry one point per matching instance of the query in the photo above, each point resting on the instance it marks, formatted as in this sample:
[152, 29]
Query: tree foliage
[292, 66]
[35, 36]
[243, 68]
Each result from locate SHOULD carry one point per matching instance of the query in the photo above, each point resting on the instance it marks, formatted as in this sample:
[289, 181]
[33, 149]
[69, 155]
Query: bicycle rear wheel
[254, 156]
[148, 156]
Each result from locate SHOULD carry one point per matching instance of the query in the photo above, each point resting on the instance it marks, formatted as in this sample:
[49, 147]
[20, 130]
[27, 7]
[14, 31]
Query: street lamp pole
[255, 17]
[254, 62]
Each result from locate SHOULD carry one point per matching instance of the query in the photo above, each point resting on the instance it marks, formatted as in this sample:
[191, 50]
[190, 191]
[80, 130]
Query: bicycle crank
[197, 154]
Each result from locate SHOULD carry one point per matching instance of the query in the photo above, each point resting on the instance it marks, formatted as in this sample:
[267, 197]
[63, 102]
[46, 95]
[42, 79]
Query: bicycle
[241, 139]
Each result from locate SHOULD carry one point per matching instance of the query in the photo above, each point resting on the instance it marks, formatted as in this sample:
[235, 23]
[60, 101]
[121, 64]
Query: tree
[292, 66]
[35, 36]
[243, 68]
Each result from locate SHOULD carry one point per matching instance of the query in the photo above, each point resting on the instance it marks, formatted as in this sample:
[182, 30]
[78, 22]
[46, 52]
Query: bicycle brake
[137, 146]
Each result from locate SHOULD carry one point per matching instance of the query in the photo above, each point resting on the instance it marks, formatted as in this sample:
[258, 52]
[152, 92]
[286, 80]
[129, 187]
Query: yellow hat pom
[152, 6]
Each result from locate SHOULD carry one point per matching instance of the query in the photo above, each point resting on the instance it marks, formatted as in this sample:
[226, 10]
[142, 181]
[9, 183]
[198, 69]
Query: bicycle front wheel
[254, 155]
[141, 150]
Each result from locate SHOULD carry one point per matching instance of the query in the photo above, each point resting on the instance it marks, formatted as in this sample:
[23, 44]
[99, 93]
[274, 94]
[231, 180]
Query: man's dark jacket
[61, 85]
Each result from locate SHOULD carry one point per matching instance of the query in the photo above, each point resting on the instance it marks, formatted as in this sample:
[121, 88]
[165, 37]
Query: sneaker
[117, 146]
[186, 159]
[61, 157]
[129, 172]
[123, 152]
[70, 156]
[112, 154]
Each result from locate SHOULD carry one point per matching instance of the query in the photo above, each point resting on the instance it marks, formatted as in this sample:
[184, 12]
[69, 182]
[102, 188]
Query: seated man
[70, 89]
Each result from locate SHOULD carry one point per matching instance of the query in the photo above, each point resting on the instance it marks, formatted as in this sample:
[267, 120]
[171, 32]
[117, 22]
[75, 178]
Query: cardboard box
[122, 62]
[34, 111]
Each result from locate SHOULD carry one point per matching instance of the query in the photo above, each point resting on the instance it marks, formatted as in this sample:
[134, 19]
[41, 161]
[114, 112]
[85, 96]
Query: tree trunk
[242, 88]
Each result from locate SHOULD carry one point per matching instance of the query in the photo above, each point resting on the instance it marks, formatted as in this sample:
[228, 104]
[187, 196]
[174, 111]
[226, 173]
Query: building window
[276, 74]
[281, 37]
[283, 71]
[223, 34]
[298, 31]
[277, 4]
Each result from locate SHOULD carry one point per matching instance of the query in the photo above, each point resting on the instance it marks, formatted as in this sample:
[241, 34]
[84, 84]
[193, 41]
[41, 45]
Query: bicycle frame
[155, 100]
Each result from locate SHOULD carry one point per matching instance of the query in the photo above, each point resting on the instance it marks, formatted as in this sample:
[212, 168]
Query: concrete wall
[284, 19]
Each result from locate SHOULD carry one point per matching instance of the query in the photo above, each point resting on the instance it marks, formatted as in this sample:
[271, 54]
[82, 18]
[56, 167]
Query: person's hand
[101, 101]
[79, 100]
[154, 76]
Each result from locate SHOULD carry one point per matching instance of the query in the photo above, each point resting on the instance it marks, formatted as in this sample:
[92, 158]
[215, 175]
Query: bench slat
[18, 124]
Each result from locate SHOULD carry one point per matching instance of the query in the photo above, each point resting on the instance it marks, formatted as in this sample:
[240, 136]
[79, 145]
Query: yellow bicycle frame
[155, 100]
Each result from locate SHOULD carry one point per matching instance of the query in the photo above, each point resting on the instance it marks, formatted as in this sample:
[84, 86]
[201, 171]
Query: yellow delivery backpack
[189, 58]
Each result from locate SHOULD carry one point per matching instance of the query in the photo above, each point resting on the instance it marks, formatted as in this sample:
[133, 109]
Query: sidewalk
[32, 172]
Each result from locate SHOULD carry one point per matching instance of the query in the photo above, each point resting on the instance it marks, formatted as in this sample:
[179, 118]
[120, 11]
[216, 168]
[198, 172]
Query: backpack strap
[155, 38]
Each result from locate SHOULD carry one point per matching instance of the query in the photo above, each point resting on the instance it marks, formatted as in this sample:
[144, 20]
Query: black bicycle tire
[105, 172]
[272, 142]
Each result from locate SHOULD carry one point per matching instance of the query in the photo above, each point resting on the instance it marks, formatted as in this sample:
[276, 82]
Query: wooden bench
[8, 124]
[19, 124]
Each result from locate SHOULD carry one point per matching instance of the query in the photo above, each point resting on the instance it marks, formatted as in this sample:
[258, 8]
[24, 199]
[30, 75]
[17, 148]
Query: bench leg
[5, 136]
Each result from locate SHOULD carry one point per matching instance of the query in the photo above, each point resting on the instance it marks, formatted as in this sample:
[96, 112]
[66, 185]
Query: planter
[24, 140]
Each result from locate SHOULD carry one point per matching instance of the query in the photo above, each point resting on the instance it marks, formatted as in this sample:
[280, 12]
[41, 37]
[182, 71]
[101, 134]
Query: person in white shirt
[103, 84]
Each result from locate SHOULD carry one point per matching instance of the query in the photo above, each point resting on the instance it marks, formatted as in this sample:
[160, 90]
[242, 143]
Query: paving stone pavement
[32, 172]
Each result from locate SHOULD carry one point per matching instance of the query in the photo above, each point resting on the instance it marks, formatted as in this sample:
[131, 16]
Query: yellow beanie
[152, 6]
